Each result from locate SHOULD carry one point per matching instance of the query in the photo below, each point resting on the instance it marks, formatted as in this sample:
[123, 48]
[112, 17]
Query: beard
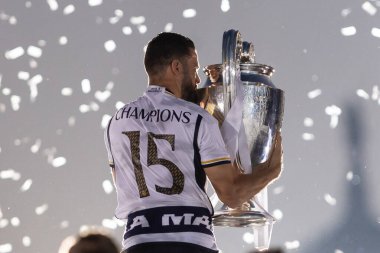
[188, 90]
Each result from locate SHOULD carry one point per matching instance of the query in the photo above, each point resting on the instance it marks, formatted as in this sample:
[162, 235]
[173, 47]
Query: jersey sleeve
[107, 142]
[211, 145]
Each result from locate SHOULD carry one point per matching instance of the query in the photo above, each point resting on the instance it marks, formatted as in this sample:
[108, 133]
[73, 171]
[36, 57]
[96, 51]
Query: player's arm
[234, 188]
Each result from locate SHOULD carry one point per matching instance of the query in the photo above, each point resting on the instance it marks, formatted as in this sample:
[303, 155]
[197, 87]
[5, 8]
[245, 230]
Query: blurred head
[176, 52]
[94, 243]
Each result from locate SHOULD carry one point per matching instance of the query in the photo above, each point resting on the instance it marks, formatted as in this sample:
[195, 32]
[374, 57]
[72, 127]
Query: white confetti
[127, 30]
[277, 214]
[308, 122]
[6, 91]
[168, 27]
[67, 91]
[225, 5]
[119, 105]
[12, 20]
[59, 161]
[334, 112]
[15, 221]
[375, 32]
[329, 199]
[1, 213]
[137, 20]
[71, 121]
[33, 51]
[375, 93]
[33, 64]
[110, 46]
[362, 93]
[189, 13]
[15, 102]
[14, 53]
[3, 223]
[5, 248]
[349, 176]
[53, 5]
[118, 15]
[26, 185]
[292, 245]
[23, 75]
[142, 29]
[68, 9]
[33, 82]
[41, 209]
[314, 93]
[348, 31]
[369, 8]
[62, 40]
[105, 119]
[107, 186]
[86, 86]
[42, 43]
[1, 79]
[64, 224]
[36, 146]
[248, 238]
[28, 4]
[308, 136]
[93, 3]
[278, 190]
[94, 106]
[109, 86]
[2, 109]
[108, 223]
[83, 108]
[345, 12]
[314, 78]
[338, 251]
[10, 174]
[102, 96]
[26, 241]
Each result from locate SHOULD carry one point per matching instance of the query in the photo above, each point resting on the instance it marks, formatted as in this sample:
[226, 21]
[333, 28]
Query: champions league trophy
[249, 108]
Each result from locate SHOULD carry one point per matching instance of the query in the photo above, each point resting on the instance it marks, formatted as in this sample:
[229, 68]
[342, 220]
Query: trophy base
[241, 219]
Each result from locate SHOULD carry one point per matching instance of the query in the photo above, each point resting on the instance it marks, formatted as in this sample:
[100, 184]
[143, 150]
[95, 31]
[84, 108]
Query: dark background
[327, 198]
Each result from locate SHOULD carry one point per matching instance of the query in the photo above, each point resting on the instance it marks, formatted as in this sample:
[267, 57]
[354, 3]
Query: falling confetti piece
[119, 105]
[33, 64]
[53, 5]
[3, 223]
[23, 75]
[71, 121]
[108, 223]
[278, 190]
[26, 241]
[292, 245]
[93, 3]
[329, 199]
[363, 94]
[67, 91]
[26, 185]
[334, 112]
[102, 96]
[142, 29]
[369, 8]
[189, 13]
[64, 224]
[36, 146]
[68, 9]
[277, 214]
[94, 106]
[12, 20]
[110, 46]
[308, 122]
[107, 187]
[338, 251]
[105, 119]
[6, 91]
[14, 53]
[83, 108]
[314, 93]
[308, 136]
[41, 209]
[225, 5]
[15, 102]
[62, 40]
[28, 4]
[5, 248]
[348, 31]
[168, 27]
[248, 238]
[34, 51]
[375, 32]
[86, 86]
[15, 221]
[127, 30]
[137, 20]
[59, 161]
[375, 93]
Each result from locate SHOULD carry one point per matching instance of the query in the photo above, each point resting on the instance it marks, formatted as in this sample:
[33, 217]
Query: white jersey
[159, 146]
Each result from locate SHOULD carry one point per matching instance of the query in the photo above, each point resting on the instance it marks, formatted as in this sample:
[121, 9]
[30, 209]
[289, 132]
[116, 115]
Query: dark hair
[163, 49]
[94, 243]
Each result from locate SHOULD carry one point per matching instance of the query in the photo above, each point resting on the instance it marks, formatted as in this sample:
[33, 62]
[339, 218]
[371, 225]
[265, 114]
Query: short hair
[163, 49]
[94, 243]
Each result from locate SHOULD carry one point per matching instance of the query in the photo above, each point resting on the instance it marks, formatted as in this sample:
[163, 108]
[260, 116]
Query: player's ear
[176, 66]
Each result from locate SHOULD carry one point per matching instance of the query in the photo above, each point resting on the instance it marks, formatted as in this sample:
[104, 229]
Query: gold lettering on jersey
[178, 177]
[159, 115]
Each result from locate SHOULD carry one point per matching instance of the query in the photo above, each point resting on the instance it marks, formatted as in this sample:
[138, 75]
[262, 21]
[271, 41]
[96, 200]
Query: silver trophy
[249, 108]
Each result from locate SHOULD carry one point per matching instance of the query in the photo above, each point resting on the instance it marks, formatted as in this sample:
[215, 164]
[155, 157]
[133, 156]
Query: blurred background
[65, 66]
